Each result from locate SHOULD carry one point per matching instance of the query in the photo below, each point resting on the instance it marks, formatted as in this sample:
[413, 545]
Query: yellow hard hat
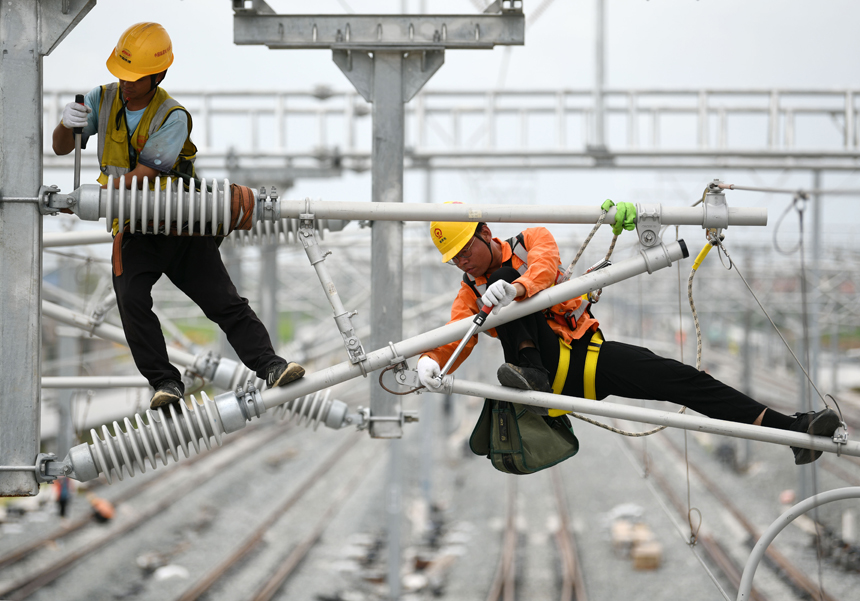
[451, 236]
[143, 49]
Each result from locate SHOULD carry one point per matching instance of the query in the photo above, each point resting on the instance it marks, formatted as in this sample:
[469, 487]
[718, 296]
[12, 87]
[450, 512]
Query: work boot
[166, 392]
[524, 378]
[282, 373]
[823, 423]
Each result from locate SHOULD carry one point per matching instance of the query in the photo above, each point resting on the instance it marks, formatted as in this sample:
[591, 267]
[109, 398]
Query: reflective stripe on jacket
[113, 140]
[539, 269]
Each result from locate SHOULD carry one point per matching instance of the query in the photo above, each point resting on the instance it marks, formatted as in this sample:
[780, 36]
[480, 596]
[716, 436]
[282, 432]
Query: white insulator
[165, 431]
[310, 409]
[168, 209]
[281, 231]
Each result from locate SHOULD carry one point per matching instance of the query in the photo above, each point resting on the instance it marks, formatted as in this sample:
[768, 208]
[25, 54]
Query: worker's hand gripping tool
[479, 320]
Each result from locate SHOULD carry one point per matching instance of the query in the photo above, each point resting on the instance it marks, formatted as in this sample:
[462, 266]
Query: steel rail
[25, 586]
[573, 580]
[712, 548]
[251, 541]
[792, 572]
[503, 585]
[21, 552]
[292, 561]
[779, 524]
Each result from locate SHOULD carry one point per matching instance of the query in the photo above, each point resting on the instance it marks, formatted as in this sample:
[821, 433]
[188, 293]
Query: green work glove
[625, 216]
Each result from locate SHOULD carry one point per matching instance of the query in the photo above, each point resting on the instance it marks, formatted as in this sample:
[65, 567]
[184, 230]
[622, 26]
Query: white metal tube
[839, 494]
[106, 331]
[95, 382]
[649, 416]
[60, 239]
[454, 331]
[499, 213]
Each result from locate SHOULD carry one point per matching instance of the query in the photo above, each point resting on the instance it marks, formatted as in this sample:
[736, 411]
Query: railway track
[21, 552]
[785, 567]
[504, 586]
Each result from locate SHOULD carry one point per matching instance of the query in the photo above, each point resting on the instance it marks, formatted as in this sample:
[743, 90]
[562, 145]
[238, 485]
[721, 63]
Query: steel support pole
[599, 74]
[28, 31]
[20, 243]
[386, 285]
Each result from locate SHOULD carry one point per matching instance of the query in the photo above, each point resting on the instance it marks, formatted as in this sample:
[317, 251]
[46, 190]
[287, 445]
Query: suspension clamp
[648, 222]
[840, 437]
[715, 208]
[268, 207]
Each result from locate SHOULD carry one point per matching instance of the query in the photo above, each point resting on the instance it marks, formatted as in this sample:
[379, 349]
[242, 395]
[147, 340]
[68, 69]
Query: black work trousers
[193, 264]
[626, 370]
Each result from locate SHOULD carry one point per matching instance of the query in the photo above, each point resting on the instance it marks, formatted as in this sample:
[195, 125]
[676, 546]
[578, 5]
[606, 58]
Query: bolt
[648, 238]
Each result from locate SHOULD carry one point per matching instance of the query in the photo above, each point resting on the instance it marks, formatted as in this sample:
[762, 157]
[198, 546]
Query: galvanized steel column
[386, 287]
[28, 31]
[20, 242]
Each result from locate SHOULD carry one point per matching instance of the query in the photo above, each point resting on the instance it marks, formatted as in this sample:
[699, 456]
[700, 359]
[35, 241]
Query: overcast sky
[653, 44]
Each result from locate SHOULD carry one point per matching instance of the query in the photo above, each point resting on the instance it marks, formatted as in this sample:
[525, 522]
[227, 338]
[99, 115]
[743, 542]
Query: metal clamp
[648, 223]
[840, 437]
[268, 207]
[715, 209]
[46, 468]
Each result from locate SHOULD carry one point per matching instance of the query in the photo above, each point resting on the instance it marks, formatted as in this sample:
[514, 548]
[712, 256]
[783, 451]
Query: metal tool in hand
[78, 131]
[479, 320]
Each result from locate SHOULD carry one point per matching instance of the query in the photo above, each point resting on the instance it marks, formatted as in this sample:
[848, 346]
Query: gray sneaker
[168, 391]
[823, 423]
[280, 374]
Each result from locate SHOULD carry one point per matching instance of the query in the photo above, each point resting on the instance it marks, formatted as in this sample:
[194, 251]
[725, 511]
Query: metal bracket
[715, 208]
[840, 437]
[51, 201]
[648, 223]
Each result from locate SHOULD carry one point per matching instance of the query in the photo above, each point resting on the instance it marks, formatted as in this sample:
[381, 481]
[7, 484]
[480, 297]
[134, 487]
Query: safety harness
[569, 319]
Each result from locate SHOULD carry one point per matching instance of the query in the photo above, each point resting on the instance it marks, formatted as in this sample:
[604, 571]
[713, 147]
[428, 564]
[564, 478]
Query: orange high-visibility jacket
[535, 255]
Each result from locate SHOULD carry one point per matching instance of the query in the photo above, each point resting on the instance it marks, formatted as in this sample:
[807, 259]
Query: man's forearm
[63, 140]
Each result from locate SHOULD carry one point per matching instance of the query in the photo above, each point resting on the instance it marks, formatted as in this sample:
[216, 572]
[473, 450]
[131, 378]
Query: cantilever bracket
[342, 317]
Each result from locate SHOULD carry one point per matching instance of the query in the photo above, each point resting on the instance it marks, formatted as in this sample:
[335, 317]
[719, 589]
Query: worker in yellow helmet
[562, 350]
[144, 132]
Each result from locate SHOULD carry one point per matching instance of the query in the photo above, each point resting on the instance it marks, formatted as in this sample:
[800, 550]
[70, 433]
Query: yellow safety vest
[113, 140]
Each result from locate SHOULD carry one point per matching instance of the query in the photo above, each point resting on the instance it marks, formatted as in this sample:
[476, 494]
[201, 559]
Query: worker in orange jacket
[562, 350]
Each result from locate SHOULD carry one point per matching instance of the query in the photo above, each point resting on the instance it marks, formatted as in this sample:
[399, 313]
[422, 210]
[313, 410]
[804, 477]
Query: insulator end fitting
[237, 408]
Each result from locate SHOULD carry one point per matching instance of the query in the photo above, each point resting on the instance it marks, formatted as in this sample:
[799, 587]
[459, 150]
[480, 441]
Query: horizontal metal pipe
[650, 416]
[59, 239]
[94, 382]
[498, 213]
[646, 261]
[106, 331]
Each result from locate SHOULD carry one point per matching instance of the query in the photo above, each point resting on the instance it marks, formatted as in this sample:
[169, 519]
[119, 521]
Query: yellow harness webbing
[588, 374]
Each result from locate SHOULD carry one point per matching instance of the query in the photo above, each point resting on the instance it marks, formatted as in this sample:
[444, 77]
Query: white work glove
[75, 115]
[499, 294]
[428, 371]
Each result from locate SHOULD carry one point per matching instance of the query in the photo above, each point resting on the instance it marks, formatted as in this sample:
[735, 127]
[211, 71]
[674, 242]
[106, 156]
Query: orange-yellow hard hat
[143, 49]
[451, 236]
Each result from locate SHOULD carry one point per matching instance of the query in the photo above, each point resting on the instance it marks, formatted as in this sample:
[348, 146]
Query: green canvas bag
[519, 441]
